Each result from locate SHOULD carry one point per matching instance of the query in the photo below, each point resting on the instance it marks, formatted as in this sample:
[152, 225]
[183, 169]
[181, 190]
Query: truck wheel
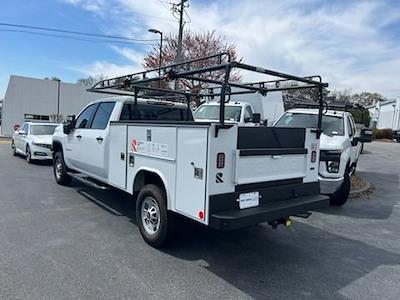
[28, 155]
[60, 169]
[155, 224]
[340, 197]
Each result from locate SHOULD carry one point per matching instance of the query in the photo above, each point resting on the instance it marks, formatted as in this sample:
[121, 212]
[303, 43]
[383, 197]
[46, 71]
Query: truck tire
[340, 197]
[154, 221]
[60, 169]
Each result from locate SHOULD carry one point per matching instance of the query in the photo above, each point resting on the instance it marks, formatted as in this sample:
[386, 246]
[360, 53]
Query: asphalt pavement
[78, 242]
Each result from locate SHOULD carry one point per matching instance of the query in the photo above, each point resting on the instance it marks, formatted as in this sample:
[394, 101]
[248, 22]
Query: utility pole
[180, 35]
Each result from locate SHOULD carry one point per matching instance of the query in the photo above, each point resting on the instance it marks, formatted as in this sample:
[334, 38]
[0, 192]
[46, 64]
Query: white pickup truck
[241, 113]
[218, 174]
[179, 166]
[340, 146]
[245, 110]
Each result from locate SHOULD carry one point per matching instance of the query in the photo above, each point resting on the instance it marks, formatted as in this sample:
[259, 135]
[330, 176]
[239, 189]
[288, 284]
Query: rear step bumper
[234, 219]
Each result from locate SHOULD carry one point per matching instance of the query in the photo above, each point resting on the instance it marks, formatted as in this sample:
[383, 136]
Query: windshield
[43, 129]
[330, 125]
[211, 112]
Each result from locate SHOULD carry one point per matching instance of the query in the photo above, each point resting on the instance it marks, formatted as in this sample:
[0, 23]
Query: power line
[72, 37]
[76, 32]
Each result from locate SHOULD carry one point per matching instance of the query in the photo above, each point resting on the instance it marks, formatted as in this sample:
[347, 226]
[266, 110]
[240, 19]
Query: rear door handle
[99, 138]
[79, 136]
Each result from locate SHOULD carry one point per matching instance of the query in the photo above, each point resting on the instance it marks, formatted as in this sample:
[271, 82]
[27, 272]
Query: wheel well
[56, 147]
[147, 177]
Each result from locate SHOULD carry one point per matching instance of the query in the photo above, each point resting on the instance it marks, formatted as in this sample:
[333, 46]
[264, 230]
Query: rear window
[154, 112]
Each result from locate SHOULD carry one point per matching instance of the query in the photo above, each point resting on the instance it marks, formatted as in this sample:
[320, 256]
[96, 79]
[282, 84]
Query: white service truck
[179, 166]
[218, 174]
[340, 147]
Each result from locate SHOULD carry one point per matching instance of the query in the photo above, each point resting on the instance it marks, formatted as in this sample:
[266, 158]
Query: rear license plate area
[247, 200]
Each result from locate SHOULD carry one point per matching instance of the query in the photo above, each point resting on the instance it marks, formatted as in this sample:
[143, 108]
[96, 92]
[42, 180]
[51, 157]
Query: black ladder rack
[198, 70]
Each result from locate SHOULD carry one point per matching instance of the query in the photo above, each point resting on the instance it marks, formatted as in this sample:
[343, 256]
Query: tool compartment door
[191, 172]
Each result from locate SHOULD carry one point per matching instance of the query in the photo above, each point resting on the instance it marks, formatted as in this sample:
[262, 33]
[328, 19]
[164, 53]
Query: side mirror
[366, 135]
[256, 118]
[21, 132]
[69, 124]
[355, 141]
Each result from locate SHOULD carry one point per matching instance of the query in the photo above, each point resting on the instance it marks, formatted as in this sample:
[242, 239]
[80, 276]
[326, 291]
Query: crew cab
[223, 177]
[340, 147]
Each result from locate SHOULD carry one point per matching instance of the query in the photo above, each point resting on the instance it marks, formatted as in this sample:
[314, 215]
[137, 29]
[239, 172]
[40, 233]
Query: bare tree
[366, 98]
[91, 80]
[194, 45]
[309, 95]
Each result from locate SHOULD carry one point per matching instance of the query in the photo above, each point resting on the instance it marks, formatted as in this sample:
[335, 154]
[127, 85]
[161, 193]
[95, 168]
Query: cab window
[84, 118]
[102, 115]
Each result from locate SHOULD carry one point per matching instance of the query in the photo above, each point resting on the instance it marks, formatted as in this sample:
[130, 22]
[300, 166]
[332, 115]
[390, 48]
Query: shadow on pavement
[378, 205]
[301, 261]
[112, 200]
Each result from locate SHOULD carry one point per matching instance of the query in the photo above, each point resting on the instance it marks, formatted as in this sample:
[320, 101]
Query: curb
[5, 138]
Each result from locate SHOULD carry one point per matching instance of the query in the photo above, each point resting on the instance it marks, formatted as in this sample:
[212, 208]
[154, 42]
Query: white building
[40, 99]
[386, 114]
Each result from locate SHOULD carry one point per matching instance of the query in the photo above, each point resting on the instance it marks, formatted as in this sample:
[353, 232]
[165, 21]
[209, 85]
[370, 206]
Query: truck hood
[42, 139]
[335, 142]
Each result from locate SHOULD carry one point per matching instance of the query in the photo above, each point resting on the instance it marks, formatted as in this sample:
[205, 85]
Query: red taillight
[313, 156]
[220, 160]
[201, 215]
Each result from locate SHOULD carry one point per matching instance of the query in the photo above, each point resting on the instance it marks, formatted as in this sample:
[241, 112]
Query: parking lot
[78, 242]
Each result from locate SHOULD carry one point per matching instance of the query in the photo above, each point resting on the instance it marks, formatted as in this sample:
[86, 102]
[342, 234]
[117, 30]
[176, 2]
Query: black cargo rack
[338, 107]
[198, 70]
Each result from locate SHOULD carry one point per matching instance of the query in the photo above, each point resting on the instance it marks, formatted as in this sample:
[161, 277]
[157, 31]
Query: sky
[353, 45]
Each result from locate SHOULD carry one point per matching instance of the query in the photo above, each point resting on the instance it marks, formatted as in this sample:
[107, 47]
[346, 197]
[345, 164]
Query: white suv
[33, 140]
[340, 147]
